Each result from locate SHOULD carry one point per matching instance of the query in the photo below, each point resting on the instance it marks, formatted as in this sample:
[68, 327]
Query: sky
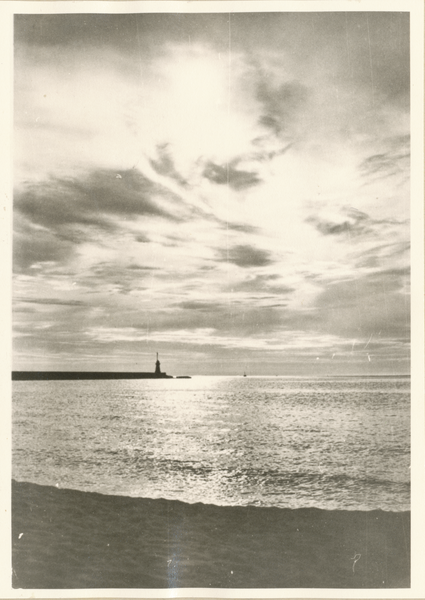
[230, 190]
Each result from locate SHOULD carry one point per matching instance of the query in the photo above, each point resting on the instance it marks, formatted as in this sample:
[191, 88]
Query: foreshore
[69, 539]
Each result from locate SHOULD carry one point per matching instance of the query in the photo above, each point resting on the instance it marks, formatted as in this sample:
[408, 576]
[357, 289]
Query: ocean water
[331, 443]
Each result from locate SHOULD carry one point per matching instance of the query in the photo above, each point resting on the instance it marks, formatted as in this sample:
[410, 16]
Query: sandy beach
[70, 539]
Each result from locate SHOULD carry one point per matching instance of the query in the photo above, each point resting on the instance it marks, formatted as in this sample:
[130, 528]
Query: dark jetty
[72, 375]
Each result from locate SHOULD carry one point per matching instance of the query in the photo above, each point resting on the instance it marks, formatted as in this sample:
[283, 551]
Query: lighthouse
[158, 367]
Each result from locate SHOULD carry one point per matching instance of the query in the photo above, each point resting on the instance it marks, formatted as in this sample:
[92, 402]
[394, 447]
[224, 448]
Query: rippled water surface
[331, 443]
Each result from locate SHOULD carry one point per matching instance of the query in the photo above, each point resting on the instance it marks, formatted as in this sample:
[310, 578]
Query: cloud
[233, 318]
[240, 227]
[267, 154]
[372, 304]
[53, 301]
[393, 253]
[93, 200]
[142, 238]
[379, 54]
[141, 268]
[196, 305]
[355, 223]
[164, 165]
[392, 161]
[263, 283]
[281, 104]
[117, 276]
[53, 217]
[229, 174]
[32, 245]
[246, 256]
[134, 34]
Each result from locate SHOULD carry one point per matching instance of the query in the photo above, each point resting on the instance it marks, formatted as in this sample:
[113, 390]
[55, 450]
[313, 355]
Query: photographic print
[211, 298]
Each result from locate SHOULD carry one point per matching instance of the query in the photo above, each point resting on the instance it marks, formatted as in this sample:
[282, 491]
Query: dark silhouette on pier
[47, 375]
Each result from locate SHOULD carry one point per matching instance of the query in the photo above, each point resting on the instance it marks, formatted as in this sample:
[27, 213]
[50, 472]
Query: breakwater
[72, 375]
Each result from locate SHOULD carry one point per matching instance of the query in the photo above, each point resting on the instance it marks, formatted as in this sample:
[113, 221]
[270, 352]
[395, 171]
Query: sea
[335, 443]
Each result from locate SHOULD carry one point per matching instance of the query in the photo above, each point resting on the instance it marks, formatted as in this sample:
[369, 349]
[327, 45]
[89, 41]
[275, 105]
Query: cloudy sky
[230, 190]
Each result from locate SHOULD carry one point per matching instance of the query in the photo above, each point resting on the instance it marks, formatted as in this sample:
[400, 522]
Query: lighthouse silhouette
[157, 366]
